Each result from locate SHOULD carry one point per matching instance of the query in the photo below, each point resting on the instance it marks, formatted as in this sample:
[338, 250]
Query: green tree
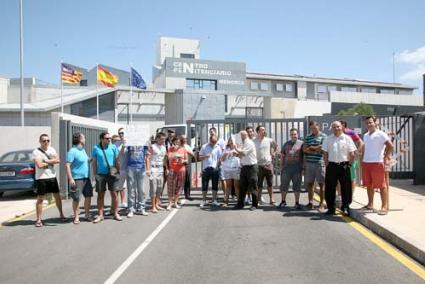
[359, 109]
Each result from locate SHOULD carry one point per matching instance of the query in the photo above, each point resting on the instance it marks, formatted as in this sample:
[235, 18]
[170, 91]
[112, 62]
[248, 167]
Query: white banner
[137, 135]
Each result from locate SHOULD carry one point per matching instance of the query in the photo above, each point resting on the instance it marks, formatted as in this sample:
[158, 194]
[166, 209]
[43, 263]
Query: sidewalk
[404, 226]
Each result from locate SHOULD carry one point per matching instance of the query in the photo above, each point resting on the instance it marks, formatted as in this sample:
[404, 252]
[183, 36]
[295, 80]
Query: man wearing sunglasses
[105, 157]
[45, 157]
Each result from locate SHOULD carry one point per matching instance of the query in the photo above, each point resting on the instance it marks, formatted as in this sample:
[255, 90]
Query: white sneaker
[215, 203]
[202, 206]
[144, 213]
[124, 205]
[130, 214]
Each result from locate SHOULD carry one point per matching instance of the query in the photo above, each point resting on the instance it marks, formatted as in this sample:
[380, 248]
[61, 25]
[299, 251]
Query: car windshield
[16, 157]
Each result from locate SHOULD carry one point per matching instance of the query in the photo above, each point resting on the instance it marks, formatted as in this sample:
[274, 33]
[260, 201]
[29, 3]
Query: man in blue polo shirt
[104, 180]
[77, 170]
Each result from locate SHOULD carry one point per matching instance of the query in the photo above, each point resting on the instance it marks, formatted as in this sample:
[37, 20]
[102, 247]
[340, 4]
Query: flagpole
[61, 88]
[21, 63]
[131, 94]
[97, 94]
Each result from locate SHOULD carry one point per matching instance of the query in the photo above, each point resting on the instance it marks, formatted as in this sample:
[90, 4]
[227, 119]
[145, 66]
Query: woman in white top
[231, 169]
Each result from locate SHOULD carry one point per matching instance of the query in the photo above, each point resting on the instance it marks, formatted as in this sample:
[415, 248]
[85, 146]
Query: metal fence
[400, 129]
[277, 129]
[66, 129]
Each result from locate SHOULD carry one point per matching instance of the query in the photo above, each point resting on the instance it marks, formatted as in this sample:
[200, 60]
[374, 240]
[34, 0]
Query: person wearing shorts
[155, 170]
[291, 165]
[106, 155]
[314, 170]
[377, 151]
[210, 154]
[231, 167]
[77, 171]
[266, 149]
[45, 157]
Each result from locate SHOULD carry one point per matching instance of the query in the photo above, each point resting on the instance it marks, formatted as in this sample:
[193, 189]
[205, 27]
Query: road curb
[400, 243]
[24, 215]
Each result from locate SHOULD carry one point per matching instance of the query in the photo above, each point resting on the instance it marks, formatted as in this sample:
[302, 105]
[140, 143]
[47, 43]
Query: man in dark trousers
[338, 154]
[249, 171]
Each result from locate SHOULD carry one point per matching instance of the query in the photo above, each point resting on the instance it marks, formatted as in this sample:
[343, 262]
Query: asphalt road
[198, 246]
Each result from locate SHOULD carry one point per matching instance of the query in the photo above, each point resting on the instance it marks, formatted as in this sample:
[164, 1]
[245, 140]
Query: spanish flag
[106, 77]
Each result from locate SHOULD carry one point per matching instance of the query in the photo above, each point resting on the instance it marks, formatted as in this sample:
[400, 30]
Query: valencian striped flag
[106, 77]
[69, 75]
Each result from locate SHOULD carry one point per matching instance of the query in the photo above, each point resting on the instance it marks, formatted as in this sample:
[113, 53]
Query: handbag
[112, 171]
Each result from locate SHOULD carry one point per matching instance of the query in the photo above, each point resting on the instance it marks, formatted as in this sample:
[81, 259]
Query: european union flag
[137, 80]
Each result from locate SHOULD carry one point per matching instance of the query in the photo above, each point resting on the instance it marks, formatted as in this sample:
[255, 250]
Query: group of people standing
[118, 168]
[331, 162]
[240, 165]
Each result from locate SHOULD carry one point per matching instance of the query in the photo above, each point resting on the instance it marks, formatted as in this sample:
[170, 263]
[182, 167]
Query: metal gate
[399, 128]
[401, 131]
[66, 129]
[277, 129]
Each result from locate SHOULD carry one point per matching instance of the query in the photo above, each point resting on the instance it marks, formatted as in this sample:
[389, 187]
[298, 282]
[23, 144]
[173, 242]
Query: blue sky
[344, 39]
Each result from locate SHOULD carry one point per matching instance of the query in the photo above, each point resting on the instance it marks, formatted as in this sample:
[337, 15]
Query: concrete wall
[311, 107]
[173, 47]
[4, 85]
[21, 138]
[374, 98]
[31, 118]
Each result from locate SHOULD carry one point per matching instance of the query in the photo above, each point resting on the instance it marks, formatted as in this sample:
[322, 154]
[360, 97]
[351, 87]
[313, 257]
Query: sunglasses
[44, 141]
[107, 138]
[121, 133]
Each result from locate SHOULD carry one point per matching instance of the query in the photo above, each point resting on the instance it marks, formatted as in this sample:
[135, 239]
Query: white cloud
[416, 59]
[414, 74]
[413, 57]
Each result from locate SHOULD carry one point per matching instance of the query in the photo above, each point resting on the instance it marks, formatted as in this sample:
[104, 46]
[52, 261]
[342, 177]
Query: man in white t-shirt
[266, 150]
[377, 151]
[45, 157]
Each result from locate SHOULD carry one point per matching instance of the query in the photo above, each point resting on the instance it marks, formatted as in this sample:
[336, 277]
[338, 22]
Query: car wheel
[1, 193]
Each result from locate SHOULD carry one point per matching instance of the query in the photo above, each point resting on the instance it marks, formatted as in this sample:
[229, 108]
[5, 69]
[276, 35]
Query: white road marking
[117, 273]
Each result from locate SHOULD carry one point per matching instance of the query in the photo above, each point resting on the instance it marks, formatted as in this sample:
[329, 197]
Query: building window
[322, 89]
[404, 92]
[187, 55]
[368, 90]
[199, 84]
[288, 88]
[387, 91]
[254, 85]
[349, 89]
[332, 88]
[264, 86]
[279, 87]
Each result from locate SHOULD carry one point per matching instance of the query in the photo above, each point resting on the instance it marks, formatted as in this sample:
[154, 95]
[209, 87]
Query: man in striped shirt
[314, 165]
